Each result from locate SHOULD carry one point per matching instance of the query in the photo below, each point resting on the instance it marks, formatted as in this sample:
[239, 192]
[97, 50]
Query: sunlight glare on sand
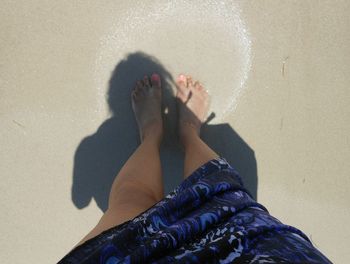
[207, 39]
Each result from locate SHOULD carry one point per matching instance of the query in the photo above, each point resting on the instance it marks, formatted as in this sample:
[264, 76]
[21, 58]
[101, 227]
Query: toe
[134, 94]
[202, 92]
[138, 87]
[189, 81]
[182, 90]
[139, 84]
[146, 80]
[198, 86]
[135, 88]
[182, 81]
[155, 79]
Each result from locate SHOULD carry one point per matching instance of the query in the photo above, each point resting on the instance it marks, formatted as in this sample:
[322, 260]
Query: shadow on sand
[100, 156]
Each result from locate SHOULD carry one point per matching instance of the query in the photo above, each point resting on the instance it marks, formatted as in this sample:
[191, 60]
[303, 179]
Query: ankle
[152, 134]
[188, 134]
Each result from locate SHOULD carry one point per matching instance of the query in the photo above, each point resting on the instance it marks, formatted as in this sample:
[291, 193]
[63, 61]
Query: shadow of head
[100, 156]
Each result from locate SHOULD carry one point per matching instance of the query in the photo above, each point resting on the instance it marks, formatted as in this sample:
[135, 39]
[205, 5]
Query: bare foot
[146, 103]
[193, 106]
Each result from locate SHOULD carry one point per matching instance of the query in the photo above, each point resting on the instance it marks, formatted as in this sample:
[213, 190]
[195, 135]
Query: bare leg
[139, 183]
[193, 104]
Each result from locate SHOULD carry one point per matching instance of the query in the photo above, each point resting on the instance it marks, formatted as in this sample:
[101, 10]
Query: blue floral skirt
[209, 218]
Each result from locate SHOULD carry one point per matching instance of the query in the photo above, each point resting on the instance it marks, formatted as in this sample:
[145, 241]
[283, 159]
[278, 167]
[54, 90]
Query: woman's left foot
[146, 101]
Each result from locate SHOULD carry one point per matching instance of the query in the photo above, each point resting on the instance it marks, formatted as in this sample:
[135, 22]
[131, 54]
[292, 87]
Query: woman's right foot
[193, 106]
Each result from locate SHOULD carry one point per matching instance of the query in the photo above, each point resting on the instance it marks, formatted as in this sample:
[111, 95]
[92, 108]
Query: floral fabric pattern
[209, 218]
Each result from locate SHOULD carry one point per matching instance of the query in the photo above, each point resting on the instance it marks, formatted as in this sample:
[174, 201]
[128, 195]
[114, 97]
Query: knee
[132, 193]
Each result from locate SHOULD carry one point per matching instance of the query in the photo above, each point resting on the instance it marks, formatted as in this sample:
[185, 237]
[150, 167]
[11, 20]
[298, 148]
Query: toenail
[182, 77]
[155, 77]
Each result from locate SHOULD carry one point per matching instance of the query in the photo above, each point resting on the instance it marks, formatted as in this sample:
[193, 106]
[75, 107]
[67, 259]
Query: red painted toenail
[155, 77]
